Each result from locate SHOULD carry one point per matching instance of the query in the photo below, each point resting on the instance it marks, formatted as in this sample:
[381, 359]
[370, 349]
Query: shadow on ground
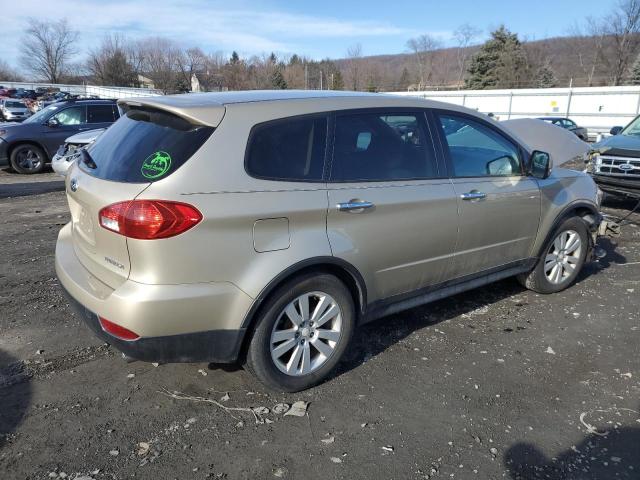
[600, 456]
[15, 395]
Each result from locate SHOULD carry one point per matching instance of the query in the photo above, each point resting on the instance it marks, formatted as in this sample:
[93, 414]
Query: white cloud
[208, 24]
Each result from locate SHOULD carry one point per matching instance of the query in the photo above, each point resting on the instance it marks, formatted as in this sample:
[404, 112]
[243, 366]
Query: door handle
[355, 206]
[473, 195]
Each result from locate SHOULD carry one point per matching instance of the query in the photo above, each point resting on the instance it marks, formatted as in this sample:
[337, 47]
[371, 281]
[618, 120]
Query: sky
[315, 29]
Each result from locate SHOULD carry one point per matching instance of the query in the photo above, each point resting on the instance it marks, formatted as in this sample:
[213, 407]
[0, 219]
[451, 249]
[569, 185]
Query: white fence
[596, 108]
[102, 92]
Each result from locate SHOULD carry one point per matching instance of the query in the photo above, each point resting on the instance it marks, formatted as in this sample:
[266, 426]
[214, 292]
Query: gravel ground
[494, 383]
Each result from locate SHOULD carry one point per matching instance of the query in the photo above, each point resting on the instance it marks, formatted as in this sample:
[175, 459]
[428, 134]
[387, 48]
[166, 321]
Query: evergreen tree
[500, 63]
[277, 80]
[235, 58]
[635, 72]
[405, 80]
[338, 81]
[545, 77]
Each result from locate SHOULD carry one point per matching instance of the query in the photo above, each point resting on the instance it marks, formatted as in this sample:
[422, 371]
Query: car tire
[27, 158]
[278, 345]
[561, 259]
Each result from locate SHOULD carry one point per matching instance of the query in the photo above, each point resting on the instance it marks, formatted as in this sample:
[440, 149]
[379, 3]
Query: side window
[477, 150]
[71, 116]
[381, 147]
[291, 149]
[100, 114]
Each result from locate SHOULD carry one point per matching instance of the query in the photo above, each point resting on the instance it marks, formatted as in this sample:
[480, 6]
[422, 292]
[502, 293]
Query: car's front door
[499, 205]
[392, 211]
[62, 125]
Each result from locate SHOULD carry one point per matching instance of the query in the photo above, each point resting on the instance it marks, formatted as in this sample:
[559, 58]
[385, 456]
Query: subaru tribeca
[264, 227]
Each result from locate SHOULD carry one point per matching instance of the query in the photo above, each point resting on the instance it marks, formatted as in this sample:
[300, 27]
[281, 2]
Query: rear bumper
[219, 346]
[617, 185]
[176, 323]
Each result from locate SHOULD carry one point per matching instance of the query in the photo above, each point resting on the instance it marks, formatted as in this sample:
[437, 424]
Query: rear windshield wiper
[87, 160]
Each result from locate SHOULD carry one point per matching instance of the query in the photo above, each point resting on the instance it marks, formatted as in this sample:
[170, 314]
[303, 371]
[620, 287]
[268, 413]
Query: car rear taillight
[149, 219]
[117, 331]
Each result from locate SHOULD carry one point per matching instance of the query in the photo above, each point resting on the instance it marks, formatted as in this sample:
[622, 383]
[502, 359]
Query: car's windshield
[43, 114]
[14, 105]
[633, 129]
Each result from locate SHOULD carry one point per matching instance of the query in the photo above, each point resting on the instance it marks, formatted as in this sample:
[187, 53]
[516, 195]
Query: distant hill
[582, 61]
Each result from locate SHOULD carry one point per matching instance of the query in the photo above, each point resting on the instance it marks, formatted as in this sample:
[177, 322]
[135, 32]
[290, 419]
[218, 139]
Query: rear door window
[144, 145]
[100, 114]
[290, 149]
[382, 146]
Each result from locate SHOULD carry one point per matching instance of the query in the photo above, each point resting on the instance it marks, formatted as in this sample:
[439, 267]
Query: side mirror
[615, 130]
[53, 123]
[540, 165]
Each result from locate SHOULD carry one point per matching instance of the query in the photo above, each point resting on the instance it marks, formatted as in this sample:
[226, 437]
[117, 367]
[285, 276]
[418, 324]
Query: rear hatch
[145, 145]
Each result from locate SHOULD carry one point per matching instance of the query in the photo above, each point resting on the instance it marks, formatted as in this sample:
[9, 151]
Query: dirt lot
[495, 383]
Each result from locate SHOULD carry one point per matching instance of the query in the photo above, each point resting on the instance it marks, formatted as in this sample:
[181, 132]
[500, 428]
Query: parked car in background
[71, 150]
[29, 145]
[568, 124]
[13, 110]
[263, 227]
[22, 93]
[614, 162]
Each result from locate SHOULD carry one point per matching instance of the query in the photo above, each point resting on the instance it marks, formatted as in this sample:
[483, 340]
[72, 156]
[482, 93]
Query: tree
[464, 35]
[546, 77]
[423, 48]
[8, 73]
[635, 72]
[110, 64]
[190, 62]
[277, 79]
[624, 29]
[500, 63]
[354, 56]
[47, 49]
[159, 63]
[405, 80]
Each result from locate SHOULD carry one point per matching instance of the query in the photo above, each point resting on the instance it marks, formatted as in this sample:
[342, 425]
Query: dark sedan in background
[614, 163]
[29, 145]
[568, 124]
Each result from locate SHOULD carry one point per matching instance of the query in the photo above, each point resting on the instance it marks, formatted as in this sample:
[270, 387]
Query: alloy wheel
[306, 333]
[563, 257]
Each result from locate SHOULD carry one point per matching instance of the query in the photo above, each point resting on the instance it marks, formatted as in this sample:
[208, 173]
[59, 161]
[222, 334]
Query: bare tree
[190, 62]
[47, 48]
[423, 48]
[464, 36]
[624, 29]
[8, 73]
[111, 63]
[159, 62]
[354, 58]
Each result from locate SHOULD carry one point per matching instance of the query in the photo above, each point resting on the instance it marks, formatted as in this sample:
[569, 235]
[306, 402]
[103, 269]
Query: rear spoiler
[200, 111]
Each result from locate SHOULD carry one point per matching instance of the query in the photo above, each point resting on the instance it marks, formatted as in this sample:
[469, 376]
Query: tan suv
[264, 227]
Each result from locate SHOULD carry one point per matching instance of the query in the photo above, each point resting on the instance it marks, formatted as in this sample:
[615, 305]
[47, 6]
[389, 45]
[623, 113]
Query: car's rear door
[499, 205]
[100, 116]
[392, 211]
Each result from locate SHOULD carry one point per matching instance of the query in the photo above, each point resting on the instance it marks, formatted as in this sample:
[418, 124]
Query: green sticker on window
[156, 165]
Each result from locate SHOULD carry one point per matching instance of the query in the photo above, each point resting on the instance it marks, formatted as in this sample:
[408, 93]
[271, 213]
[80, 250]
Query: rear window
[290, 149]
[144, 145]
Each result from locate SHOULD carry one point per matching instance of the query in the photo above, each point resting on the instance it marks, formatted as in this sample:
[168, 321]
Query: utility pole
[306, 77]
[320, 79]
[332, 84]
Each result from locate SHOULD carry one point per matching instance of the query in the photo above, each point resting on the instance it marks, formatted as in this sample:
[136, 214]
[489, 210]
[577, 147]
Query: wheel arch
[585, 210]
[16, 143]
[343, 270]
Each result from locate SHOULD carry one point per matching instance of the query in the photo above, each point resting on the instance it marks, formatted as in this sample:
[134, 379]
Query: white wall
[596, 108]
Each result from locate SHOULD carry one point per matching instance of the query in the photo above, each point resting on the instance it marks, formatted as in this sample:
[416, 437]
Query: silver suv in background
[264, 227]
[12, 110]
